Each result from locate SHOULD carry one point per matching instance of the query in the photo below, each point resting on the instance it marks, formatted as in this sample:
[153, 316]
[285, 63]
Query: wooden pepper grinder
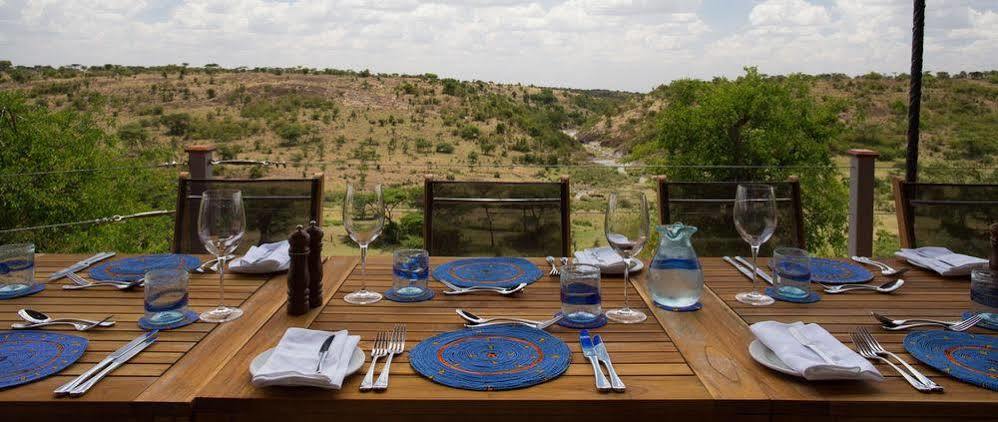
[314, 264]
[298, 272]
[993, 265]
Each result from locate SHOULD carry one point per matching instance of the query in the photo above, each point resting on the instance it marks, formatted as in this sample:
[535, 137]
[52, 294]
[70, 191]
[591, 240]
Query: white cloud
[788, 13]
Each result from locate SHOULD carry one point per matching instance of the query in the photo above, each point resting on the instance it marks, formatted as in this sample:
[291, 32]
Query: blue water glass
[793, 272]
[984, 294]
[166, 295]
[17, 268]
[580, 293]
[410, 271]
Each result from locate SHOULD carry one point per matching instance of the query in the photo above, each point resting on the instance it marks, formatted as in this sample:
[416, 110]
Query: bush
[291, 132]
[469, 132]
[422, 145]
[133, 133]
[445, 148]
[177, 124]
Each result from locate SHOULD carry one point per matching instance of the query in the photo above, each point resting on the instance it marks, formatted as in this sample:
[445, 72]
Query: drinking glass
[410, 271]
[984, 294]
[166, 295]
[755, 220]
[17, 268]
[580, 293]
[363, 217]
[221, 225]
[793, 272]
[626, 226]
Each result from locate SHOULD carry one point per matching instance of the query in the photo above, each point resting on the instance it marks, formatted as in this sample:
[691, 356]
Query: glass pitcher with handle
[675, 277]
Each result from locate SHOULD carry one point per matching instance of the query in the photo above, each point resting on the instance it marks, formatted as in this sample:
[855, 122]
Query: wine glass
[363, 217]
[755, 220]
[221, 225]
[626, 228]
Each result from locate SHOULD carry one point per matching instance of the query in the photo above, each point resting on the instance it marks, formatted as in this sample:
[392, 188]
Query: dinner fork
[865, 351]
[395, 347]
[379, 350]
[904, 324]
[554, 268]
[877, 348]
[81, 283]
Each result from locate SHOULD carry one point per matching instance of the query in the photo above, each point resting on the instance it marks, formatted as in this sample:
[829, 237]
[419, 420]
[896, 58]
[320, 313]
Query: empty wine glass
[221, 225]
[626, 228]
[363, 217]
[755, 220]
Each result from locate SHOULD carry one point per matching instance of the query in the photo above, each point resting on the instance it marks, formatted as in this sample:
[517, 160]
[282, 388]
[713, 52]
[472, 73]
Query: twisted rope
[915, 91]
[96, 221]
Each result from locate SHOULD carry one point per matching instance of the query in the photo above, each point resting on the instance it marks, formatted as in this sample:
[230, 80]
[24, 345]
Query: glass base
[626, 316]
[362, 297]
[164, 318]
[221, 314]
[754, 299]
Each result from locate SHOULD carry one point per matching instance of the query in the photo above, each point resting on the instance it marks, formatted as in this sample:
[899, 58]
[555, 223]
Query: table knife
[590, 353]
[81, 389]
[80, 265]
[745, 271]
[748, 265]
[615, 382]
[67, 387]
[323, 351]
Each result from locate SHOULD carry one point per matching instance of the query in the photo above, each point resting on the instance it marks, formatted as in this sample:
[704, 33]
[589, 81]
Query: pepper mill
[314, 264]
[993, 265]
[298, 272]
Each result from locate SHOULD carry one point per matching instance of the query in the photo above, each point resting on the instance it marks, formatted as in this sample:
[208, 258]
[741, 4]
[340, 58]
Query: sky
[632, 45]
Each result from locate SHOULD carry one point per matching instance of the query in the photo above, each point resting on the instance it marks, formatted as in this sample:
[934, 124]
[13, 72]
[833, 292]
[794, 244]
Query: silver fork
[554, 268]
[395, 347]
[904, 324]
[379, 350]
[881, 351]
[865, 351]
[81, 283]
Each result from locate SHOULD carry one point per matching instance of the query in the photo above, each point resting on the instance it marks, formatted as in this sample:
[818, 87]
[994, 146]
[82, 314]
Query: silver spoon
[476, 321]
[38, 318]
[884, 268]
[887, 287]
[455, 290]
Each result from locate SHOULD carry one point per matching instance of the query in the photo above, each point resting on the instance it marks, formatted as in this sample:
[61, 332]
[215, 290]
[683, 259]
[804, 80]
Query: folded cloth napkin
[266, 258]
[942, 260]
[605, 258]
[848, 365]
[295, 358]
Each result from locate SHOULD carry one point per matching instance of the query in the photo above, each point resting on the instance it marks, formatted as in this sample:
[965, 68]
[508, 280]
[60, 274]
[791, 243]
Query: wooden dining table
[675, 364]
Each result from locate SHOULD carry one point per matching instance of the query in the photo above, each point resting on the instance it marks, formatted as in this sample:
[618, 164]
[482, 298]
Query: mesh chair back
[496, 218]
[954, 216]
[709, 206]
[274, 207]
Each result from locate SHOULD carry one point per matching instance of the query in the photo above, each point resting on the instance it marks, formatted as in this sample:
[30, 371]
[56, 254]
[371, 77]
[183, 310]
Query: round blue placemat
[810, 298]
[582, 325]
[393, 296]
[694, 307]
[189, 318]
[134, 268]
[494, 272]
[501, 357]
[983, 324]
[26, 356]
[830, 271]
[37, 287]
[967, 357]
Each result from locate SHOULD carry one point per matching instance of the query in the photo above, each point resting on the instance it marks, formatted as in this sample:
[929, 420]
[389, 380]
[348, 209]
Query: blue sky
[615, 44]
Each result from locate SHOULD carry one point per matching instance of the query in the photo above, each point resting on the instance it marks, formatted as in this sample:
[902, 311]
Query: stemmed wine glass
[221, 225]
[755, 220]
[626, 228]
[363, 217]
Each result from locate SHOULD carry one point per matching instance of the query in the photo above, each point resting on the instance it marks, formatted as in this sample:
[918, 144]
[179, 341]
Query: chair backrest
[496, 218]
[954, 216]
[274, 207]
[709, 206]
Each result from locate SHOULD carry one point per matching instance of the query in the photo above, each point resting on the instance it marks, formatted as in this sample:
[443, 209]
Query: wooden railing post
[862, 181]
[199, 161]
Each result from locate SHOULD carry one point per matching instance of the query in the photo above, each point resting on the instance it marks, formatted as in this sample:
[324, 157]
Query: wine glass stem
[627, 280]
[755, 269]
[221, 281]
[363, 267]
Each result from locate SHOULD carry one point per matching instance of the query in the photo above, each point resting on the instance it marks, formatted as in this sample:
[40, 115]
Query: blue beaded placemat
[967, 357]
[134, 268]
[393, 296]
[501, 357]
[810, 298]
[983, 324]
[694, 307]
[493, 272]
[37, 287]
[830, 271]
[27, 356]
[189, 318]
[582, 325]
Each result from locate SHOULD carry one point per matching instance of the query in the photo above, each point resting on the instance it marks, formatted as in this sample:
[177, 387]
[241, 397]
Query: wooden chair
[709, 207]
[496, 218]
[954, 216]
[273, 208]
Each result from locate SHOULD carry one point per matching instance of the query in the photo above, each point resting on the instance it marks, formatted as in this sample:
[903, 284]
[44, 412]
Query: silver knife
[120, 360]
[67, 387]
[590, 353]
[323, 351]
[615, 382]
[747, 264]
[80, 265]
[745, 271]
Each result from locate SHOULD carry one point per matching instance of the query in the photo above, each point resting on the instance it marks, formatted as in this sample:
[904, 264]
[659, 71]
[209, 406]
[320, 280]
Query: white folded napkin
[942, 260]
[295, 358]
[266, 258]
[848, 365]
[604, 257]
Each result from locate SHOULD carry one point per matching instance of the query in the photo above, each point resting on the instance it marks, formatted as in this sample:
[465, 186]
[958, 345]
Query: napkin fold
[604, 257]
[296, 356]
[941, 260]
[266, 258]
[848, 365]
